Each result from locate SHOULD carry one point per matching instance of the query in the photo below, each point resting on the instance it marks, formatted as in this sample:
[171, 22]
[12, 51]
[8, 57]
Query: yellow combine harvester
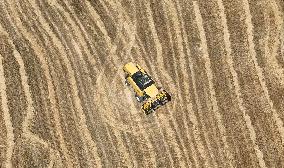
[145, 88]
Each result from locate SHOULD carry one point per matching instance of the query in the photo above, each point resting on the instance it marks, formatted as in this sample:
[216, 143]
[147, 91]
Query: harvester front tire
[126, 83]
[140, 99]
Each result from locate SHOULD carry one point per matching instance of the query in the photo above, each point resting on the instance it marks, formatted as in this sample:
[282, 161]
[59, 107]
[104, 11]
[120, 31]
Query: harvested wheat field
[64, 102]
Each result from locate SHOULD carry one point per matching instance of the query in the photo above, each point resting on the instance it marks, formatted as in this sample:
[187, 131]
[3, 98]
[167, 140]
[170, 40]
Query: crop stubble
[64, 102]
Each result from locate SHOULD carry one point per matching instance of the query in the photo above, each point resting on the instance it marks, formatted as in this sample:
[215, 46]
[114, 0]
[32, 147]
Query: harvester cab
[145, 89]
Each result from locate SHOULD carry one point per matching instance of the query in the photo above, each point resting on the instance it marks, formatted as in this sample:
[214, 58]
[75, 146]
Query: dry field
[63, 102]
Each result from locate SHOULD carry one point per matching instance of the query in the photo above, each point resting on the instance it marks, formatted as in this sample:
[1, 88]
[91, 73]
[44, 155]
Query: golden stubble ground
[64, 103]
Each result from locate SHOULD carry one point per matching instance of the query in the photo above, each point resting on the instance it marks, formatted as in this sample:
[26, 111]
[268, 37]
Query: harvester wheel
[166, 98]
[151, 111]
[126, 83]
[140, 98]
[164, 102]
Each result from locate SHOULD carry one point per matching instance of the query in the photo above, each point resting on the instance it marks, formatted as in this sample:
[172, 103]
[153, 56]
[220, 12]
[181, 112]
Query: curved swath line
[159, 51]
[72, 81]
[196, 132]
[79, 109]
[51, 89]
[30, 111]
[210, 79]
[105, 33]
[55, 159]
[173, 88]
[271, 55]
[209, 100]
[97, 19]
[51, 162]
[170, 135]
[77, 50]
[194, 120]
[237, 89]
[29, 134]
[192, 115]
[175, 20]
[80, 28]
[159, 55]
[7, 118]
[164, 72]
[77, 103]
[260, 75]
[282, 40]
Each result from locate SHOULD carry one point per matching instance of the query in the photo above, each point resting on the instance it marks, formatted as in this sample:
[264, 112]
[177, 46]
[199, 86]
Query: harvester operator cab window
[142, 80]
